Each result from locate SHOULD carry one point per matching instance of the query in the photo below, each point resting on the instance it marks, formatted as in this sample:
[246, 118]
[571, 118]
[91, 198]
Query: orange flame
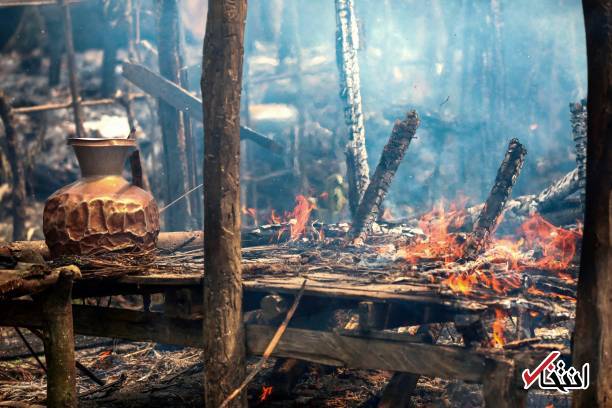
[557, 245]
[265, 393]
[498, 329]
[300, 216]
[274, 219]
[439, 243]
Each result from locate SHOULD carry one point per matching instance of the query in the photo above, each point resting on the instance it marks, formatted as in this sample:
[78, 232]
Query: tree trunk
[169, 118]
[593, 333]
[16, 158]
[224, 362]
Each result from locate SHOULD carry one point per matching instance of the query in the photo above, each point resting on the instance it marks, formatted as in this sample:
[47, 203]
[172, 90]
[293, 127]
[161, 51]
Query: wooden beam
[181, 99]
[375, 350]
[593, 333]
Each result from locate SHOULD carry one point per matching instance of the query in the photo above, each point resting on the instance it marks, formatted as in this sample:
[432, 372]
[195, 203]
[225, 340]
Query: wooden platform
[338, 277]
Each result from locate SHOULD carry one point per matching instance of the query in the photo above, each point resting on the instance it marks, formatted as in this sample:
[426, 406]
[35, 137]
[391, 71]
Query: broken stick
[390, 159]
[507, 175]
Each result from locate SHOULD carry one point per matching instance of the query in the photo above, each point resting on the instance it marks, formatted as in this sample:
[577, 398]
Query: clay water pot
[102, 211]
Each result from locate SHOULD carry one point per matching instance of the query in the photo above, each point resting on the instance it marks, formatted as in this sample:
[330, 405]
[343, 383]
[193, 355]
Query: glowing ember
[265, 393]
[498, 329]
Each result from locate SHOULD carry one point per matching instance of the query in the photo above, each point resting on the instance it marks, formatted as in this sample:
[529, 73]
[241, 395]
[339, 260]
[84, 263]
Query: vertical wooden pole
[72, 70]
[16, 158]
[593, 333]
[58, 340]
[224, 362]
[195, 199]
[347, 44]
[175, 163]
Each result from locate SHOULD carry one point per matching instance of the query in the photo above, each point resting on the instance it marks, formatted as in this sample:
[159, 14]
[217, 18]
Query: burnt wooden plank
[182, 100]
[397, 353]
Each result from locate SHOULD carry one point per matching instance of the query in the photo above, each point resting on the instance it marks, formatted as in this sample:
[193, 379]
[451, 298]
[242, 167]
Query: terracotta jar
[101, 211]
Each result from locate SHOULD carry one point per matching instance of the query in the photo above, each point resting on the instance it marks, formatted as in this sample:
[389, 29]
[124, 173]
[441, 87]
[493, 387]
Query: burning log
[15, 157]
[390, 159]
[347, 44]
[549, 200]
[488, 219]
[579, 134]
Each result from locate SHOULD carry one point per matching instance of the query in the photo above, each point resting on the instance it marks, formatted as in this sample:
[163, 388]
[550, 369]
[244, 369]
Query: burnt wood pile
[377, 283]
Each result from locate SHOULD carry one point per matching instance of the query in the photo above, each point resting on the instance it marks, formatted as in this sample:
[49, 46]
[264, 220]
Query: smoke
[478, 72]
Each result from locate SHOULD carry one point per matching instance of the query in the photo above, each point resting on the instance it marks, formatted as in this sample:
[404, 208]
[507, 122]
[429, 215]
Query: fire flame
[498, 339]
[301, 215]
[265, 393]
[296, 220]
[511, 256]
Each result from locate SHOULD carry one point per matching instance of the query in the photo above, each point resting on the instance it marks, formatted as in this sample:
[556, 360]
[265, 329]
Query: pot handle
[136, 168]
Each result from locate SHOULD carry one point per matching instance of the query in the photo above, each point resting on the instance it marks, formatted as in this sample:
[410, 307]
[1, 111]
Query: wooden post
[592, 336]
[489, 217]
[169, 118]
[500, 388]
[16, 158]
[347, 44]
[224, 362]
[390, 159]
[58, 340]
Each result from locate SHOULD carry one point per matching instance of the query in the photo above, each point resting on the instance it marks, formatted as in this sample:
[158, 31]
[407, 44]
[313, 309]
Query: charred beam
[224, 365]
[390, 159]
[395, 352]
[347, 44]
[488, 219]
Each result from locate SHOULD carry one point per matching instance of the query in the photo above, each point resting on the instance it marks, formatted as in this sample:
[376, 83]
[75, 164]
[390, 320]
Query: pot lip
[100, 142]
